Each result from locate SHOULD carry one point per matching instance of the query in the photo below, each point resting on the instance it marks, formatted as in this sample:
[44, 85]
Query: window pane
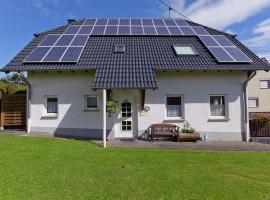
[253, 103]
[91, 102]
[184, 50]
[217, 104]
[264, 84]
[174, 108]
[51, 105]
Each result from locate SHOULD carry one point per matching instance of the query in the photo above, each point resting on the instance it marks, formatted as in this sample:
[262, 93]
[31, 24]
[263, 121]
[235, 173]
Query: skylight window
[119, 48]
[184, 50]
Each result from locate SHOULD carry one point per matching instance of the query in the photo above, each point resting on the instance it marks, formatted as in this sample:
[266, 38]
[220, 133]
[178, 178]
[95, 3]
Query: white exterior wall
[70, 88]
[196, 89]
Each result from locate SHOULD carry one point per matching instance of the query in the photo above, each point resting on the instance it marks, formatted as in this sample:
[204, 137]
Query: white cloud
[220, 14]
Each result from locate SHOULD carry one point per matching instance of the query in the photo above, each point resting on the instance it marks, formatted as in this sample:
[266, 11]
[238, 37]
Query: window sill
[91, 110]
[173, 120]
[49, 116]
[218, 119]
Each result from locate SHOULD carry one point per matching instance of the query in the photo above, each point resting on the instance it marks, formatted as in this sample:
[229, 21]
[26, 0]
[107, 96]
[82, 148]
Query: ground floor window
[126, 126]
[91, 102]
[174, 106]
[253, 102]
[51, 105]
[218, 105]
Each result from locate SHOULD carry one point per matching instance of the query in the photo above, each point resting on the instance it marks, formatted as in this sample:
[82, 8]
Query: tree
[15, 78]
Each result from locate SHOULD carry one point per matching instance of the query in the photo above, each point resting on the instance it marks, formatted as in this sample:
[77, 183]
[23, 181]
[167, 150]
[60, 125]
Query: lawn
[47, 168]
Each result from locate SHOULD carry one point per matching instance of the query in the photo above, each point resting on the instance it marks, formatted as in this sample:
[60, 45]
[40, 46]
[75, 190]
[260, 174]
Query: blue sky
[249, 19]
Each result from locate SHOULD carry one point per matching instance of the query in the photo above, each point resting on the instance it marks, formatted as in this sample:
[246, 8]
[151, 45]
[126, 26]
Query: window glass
[173, 106]
[91, 102]
[126, 126]
[217, 104]
[184, 50]
[264, 84]
[52, 105]
[120, 48]
[126, 109]
[253, 103]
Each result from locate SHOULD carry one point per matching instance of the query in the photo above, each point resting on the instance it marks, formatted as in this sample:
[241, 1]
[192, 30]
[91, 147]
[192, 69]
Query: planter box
[188, 137]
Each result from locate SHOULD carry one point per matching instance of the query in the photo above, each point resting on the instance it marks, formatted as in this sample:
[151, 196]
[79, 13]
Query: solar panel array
[67, 47]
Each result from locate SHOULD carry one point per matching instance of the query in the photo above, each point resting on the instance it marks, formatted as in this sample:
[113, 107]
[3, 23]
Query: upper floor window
[264, 84]
[184, 50]
[253, 102]
[174, 107]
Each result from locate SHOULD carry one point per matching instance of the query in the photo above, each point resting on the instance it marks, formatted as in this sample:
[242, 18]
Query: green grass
[47, 168]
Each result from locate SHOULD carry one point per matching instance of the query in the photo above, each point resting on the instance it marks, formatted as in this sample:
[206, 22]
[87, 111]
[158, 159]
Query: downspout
[28, 100]
[251, 74]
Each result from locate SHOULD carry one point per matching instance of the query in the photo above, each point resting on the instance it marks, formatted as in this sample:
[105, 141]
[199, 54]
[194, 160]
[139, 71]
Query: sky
[248, 19]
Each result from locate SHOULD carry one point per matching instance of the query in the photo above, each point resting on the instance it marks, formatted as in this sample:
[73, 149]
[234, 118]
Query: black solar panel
[64, 40]
[174, 30]
[237, 54]
[136, 22]
[220, 54]
[72, 54]
[181, 22]
[98, 30]
[170, 22]
[162, 30]
[101, 22]
[124, 22]
[187, 30]
[37, 54]
[80, 40]
[49, 40]
[90, 21]
[124, 30]
[208, 41]
[113, 22]
[199, 30]
[147, 22]
[111, 30]
[55, 54]
[86, 30]
[136, 30]
[158, 22]
[72, 29]
[223, 41]
[148, 30]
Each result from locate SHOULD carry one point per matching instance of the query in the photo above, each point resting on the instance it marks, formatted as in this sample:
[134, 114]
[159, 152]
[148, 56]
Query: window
[174, 107]
[126, 109]
[126, 126]
[218, 106]
[253, 102]
[120, 48]
[51, 106]
[184, 50]
[264, 84]
[91, 102]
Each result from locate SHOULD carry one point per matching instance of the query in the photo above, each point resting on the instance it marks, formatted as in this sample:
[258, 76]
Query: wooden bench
[163, 130]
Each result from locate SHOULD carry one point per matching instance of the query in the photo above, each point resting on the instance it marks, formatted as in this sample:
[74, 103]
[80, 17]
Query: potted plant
[112, 106]
[188, 134]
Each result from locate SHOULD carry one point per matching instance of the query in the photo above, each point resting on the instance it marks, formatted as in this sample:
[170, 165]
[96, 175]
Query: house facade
[160, 77]
[259, 93]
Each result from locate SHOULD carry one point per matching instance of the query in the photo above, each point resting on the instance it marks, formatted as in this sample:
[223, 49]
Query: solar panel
[64, 40]
[199, 30]
[55, 54]
[90, 22]
[237, 54]
[187, 30]
[111, 30]
[113, 22]
[136, 30]
[170, 22]
[124, 30]
[158, 22]
[223, 41]
[147, 22]
[174, 30]
[149, 30]
[80, 40]
[72, 29]
[162, 31]
[98, 30]
[208, 41]
[220, 54]
[49, 40]
[181, 22]
[72, 54]
[124, 22]
[37, 54]
[101, 22]
[136, 22]
[86, 30]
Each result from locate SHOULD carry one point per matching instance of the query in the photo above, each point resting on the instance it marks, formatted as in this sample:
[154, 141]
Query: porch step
[263, 140]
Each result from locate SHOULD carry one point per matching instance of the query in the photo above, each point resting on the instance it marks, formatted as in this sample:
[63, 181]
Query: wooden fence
[259, 128]
[13, 110]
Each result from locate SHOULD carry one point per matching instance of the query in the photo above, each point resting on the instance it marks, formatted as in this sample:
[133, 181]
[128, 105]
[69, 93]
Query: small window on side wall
[253, 102]
[264, 84]
[218, 106]
[184, 50]
[174, 107]
[51, 106]
[91, 102]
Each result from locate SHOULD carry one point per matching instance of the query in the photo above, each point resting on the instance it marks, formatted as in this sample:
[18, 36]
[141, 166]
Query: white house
[158, 70]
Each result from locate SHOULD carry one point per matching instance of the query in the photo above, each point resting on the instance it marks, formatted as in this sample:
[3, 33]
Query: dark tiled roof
[144, 55]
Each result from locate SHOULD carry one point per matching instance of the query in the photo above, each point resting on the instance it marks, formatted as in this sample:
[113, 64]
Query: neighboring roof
[144, 55]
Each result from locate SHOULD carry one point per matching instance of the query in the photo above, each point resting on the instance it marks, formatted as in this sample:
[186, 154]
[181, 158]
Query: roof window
[184, 50]
[120, 48]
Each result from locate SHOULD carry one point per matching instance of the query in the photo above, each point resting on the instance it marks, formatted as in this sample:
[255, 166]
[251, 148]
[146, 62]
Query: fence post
[2, 113]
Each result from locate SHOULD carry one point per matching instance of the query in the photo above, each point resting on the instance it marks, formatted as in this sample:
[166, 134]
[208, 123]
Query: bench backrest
[164, 127]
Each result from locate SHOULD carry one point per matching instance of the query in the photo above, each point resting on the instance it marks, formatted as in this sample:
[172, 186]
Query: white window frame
[257, 102]
[185, 45]
[45, 105]
[182, 107]
[85, 103]
[264, 80]
[226, 107]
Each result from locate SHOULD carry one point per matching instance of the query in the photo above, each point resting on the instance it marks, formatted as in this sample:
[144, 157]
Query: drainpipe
[104, 117]
[28, 103]
[251, 74]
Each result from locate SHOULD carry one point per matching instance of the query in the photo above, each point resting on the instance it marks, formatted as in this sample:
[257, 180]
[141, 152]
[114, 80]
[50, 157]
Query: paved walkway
[218, 146]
